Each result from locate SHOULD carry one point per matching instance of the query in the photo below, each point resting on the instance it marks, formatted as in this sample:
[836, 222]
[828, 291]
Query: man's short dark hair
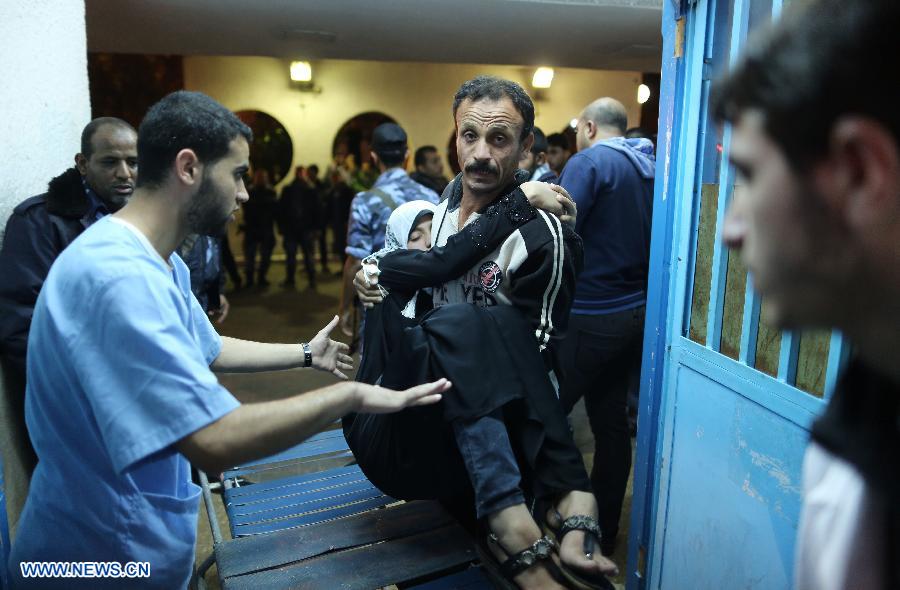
[540, 142]
[87, 134]
[422, 154]
[814, 66]
[495, 88]
[391, 159]
[558, 140]
[184, 120]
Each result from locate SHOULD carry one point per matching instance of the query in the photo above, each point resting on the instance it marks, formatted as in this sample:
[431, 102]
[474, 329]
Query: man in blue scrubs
[120, 399]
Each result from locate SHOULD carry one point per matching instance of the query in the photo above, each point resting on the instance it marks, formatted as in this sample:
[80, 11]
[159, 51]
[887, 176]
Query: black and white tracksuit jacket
[533, 269]
[508, 254]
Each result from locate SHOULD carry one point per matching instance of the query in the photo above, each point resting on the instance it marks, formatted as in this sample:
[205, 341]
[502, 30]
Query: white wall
[417, 95]
[44, 104]
[44, 100]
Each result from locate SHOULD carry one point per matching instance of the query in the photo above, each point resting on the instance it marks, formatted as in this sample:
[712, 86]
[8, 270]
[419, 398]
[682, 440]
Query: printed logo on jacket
[476, 286]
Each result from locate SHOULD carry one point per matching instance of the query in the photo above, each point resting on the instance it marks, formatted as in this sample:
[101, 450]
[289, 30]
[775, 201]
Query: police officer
[370, 209]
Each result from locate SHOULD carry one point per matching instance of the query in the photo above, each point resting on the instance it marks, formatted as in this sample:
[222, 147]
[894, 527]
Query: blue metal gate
[726, 401]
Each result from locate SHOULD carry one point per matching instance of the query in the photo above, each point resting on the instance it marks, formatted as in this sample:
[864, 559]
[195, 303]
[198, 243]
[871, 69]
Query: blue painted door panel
[733, 495]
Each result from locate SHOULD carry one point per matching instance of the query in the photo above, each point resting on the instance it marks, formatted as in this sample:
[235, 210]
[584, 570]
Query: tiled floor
[276, 314]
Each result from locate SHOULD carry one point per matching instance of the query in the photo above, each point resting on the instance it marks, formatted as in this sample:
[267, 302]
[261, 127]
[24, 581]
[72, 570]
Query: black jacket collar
[66, 196]
[862, 426]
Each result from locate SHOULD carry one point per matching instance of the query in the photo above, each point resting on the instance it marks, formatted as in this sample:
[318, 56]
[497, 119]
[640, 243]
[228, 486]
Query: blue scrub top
[117, 373]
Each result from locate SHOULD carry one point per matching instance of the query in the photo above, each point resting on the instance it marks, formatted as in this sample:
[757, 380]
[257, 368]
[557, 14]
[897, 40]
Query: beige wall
[44, 100]
[417, 95]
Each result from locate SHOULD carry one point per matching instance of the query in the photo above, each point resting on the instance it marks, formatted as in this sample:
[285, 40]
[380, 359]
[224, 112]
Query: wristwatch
[307, 354]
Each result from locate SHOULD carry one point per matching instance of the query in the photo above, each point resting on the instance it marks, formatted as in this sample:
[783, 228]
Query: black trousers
[323, 248]
[229, 263]
[602, 356]
[492, 359]
[265, 245]
[290, 243]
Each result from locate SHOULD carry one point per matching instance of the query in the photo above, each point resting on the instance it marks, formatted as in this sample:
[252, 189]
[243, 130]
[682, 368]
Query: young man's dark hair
[184, 120]
[421, 155]
[802, 78]
[391, 160]
[557, 140]
[540, 142]
[495, 89]
[87, 134]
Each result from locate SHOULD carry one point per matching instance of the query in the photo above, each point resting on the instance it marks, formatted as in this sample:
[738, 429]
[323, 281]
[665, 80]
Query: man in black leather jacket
[42, 226]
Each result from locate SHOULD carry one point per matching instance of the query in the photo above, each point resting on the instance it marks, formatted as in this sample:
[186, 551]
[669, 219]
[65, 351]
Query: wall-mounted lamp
[643, 94]
[574, 123]
[301, 71]
[543, 78]
[301, 77]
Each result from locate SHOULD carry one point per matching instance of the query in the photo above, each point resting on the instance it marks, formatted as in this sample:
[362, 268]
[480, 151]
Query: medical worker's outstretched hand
[380, 400]
[330, 355]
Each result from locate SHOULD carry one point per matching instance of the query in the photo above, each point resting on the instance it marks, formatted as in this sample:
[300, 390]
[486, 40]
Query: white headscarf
[402, 222]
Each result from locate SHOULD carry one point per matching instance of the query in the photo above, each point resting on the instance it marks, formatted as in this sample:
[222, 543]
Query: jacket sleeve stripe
[546, 323]
[560, 250]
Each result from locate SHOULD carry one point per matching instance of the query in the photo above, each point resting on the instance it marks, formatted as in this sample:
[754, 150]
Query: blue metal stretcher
[331, 527]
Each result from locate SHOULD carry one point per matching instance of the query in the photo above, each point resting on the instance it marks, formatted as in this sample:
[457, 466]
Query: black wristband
[307, 354]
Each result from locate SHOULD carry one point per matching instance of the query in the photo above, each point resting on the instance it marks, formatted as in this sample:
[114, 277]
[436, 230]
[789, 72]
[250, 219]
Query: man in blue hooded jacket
[611, 181]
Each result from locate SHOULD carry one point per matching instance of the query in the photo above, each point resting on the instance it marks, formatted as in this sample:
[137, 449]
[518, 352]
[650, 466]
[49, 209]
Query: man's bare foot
[571, 546]
[516, 530]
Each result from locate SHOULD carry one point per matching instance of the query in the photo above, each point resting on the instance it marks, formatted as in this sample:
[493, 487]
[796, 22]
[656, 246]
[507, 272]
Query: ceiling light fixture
[543, 77]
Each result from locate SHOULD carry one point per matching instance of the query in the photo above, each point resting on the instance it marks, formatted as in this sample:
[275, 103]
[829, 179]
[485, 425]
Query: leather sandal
[592, 537]
[540, 552]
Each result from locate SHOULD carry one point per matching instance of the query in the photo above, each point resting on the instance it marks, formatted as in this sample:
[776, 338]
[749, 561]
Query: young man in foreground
[817, 221]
